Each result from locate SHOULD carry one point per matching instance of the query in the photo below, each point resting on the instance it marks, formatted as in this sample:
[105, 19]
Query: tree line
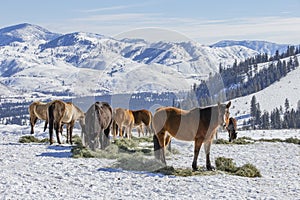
[279, 118]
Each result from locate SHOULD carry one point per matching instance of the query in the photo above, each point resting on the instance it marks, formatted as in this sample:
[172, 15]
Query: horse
[142, 117]
[38, 110]
[60, 113]
[122, 118]
[231, 128]
[198, 125]
[98, 122]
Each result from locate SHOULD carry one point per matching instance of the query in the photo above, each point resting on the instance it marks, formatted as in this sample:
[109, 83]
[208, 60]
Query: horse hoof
[210, 168]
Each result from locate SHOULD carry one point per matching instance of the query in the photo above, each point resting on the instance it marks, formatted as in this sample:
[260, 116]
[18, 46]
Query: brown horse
[38, 110]
[231, 128]
[97, 125]
[198, 125]
[60, 113]
[122, 118]
[142, 117]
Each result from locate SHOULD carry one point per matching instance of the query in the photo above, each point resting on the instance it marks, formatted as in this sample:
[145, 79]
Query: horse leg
[159, 146]
[142, 129]
[207, 152]
[129, 131]
[120, 131]
[45, 126]
[197, 146]
[114, 129]
[51, 123]
[33, 121]
[106, 137]
[57, 130]
[168, 142]
[71, 126]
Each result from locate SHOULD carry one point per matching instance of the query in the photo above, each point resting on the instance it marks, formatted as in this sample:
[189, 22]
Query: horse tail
[51, 121]
[157, 147]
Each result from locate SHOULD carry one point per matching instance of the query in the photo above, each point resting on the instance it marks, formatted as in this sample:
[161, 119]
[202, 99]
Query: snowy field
[40, 171]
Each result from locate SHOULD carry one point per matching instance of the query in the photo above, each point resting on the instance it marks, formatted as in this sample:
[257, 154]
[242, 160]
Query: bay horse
[60, 113]
[231, 128]
[198, 125]
[38, 110]
[98, 122]
[122, 118]
[142, 117]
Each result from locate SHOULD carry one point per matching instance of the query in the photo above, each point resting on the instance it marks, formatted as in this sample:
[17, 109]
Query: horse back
[104, 113]
[123, 116]
[142, 116]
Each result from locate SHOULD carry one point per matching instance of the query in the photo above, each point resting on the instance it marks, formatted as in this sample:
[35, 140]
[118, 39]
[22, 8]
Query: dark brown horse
[59, 113]
[142, 117]
[97, 125]
[231, 128]
[198, 125]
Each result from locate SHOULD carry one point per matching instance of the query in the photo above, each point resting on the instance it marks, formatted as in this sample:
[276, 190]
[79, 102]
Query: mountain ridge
[102, 64]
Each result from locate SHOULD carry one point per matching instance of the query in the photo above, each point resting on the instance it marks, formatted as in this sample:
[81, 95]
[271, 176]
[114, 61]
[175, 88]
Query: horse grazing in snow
[231, 128]
[98, 122]
[122, 118]
[142, 117]
[198, 125]
[60, 113]
[38, 110]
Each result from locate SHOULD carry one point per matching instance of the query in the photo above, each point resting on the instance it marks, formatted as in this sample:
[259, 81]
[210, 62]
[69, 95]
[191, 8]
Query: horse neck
[210, 116]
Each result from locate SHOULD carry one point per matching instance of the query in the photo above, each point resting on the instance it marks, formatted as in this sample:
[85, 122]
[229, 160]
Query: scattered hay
[227, 165]
[292, 140]
[270, 140]
[184, 172]
[248, 170]
[137, 162]
[241, 140]
[115, 150]
[288, 140]
[32, 139]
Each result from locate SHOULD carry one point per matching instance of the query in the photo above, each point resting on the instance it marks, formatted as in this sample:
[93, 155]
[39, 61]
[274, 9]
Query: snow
[41, 171]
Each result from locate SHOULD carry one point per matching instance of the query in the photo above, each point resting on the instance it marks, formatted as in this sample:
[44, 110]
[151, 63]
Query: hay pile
[241, 140]
[30, 139]
[227, 165]
[248, 140]
[119, 148]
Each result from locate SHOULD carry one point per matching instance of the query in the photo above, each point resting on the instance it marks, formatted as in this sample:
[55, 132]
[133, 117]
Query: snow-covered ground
[41, 171]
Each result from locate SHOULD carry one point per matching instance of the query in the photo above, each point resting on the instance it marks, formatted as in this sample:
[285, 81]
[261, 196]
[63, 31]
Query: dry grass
[32, 139]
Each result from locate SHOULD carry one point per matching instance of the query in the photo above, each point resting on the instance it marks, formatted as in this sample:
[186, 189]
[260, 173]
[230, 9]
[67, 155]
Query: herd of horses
[198, 124]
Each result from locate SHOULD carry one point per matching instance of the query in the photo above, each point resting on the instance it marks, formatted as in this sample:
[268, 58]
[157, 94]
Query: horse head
[224, 113]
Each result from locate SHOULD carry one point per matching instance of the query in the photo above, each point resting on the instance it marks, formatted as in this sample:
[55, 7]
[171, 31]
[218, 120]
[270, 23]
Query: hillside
[272, 96]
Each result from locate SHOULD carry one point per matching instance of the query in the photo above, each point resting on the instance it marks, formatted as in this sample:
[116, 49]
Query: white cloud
[206, 31]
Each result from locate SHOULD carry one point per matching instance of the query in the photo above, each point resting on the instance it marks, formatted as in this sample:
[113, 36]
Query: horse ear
[228, 105]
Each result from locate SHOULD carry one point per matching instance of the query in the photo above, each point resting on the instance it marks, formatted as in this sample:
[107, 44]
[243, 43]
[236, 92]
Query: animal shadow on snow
[61, 152]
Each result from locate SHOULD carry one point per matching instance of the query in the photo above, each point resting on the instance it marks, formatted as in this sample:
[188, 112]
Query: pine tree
[286, 105]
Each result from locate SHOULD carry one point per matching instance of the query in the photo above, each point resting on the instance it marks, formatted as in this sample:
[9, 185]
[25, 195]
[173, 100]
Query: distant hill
[259, 46]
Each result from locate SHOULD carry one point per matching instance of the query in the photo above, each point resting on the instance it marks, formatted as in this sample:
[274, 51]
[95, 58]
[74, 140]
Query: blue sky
[204, 21]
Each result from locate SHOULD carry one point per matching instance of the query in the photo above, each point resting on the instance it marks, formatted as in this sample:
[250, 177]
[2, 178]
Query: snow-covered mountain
[260, 46]
[25, 32]
[33, 59]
